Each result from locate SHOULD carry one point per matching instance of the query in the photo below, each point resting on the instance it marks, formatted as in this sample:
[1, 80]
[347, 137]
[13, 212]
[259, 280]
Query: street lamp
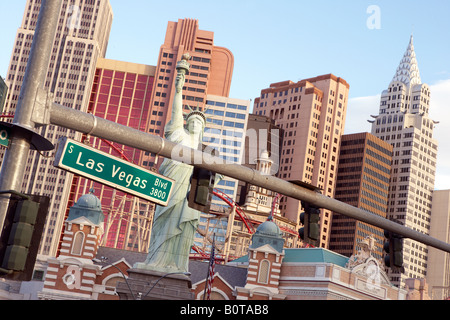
[140, 297]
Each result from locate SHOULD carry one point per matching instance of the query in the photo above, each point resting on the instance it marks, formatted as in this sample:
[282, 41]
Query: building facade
[210, 74]
[438, 271]
[121, 93]
[277, 273]
[207, 87]
[75, 273]
[81, 39]
[254, 204]
[259, 205]
[363, 178]
[404, 122]
[312, 115]
[225, 132]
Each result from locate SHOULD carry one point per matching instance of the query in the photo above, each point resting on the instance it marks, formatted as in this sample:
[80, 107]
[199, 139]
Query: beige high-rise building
[81, 39]
[438, 271]
[210, 74]
[312, 115]
[404, 122]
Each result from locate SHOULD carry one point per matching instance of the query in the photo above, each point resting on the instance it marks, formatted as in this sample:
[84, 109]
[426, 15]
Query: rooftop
[305, 255]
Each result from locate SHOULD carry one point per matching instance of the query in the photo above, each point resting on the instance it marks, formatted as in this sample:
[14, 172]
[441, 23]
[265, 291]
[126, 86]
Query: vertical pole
[229, 233]
[209, 266]
[15, 160]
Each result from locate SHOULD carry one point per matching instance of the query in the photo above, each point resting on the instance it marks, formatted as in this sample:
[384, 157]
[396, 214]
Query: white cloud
[360, 110]
[440, 111]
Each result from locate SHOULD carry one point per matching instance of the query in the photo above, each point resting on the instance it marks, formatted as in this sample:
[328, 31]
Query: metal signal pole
[32, 95]
[88, 123]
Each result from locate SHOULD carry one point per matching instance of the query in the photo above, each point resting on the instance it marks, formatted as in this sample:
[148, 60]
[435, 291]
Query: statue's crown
[196, 112]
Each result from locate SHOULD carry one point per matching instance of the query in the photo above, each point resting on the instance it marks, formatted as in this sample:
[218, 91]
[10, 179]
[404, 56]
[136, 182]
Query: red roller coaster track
[239, 210]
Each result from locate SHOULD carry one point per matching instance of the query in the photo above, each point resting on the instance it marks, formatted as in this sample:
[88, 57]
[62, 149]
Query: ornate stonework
[408, 69]
[365, 265]
[367, 246]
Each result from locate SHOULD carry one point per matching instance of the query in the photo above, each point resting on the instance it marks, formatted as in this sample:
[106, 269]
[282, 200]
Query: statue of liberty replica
[174, 226]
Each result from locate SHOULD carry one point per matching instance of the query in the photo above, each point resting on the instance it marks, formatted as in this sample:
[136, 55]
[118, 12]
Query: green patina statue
[174, 226]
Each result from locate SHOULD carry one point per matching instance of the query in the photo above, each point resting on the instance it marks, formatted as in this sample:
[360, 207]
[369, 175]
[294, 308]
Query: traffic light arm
[96, 126]
[21, 195]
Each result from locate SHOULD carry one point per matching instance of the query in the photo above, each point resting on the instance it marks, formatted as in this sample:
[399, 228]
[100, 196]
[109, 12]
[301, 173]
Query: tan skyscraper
[312, 114]
[404, 122]
[81, 38]
[362, 181]
[438, 271]
[210, 74]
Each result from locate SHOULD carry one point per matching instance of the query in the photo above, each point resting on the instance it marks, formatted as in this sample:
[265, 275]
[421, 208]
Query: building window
[264, 268]
[78, 243]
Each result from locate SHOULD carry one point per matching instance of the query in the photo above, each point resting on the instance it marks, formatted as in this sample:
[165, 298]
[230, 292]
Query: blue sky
[292, 40]
[282, 40]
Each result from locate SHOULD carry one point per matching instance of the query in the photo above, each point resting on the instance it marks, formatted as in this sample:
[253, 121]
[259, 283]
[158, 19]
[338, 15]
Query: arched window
[264, 268]
[78, 241]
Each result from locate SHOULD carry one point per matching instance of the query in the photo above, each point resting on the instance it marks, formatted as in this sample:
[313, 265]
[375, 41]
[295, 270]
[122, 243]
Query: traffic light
[21, 235]
[19, 239]
[201, 192]
[310, 217]
[393, 246]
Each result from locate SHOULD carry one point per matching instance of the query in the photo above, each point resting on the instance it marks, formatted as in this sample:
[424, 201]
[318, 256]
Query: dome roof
[268, 233]
[89, 201]
[265, 154]
[269, 228]
[88, 207]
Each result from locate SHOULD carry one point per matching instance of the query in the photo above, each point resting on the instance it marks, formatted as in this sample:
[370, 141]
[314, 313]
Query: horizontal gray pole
[98, 127]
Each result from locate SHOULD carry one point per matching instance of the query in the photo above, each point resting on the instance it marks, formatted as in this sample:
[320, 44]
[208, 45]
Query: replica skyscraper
[312, 115]
[81, 38]
[404, 122]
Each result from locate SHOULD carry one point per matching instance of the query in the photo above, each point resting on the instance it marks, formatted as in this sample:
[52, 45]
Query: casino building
[85, 271]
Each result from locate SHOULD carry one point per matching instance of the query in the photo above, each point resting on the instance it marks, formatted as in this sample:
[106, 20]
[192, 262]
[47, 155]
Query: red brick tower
[265, 255]
[73, 274]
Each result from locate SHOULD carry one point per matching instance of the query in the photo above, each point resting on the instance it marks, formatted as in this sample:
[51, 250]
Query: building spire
[408, 69]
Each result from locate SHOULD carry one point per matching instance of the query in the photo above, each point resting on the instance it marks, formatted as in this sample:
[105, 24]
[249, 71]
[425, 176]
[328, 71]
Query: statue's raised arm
[177, 121]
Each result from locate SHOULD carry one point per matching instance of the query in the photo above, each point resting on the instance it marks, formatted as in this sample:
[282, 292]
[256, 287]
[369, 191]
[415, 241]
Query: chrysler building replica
[404, 122]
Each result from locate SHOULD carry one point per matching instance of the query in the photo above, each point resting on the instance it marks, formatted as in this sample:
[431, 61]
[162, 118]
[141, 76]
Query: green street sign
[99, 166]
[5, 134]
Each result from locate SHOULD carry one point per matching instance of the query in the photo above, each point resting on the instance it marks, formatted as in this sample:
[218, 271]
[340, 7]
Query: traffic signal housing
[310, 217]
[393, 246]
[201, 192]
[21, 235]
